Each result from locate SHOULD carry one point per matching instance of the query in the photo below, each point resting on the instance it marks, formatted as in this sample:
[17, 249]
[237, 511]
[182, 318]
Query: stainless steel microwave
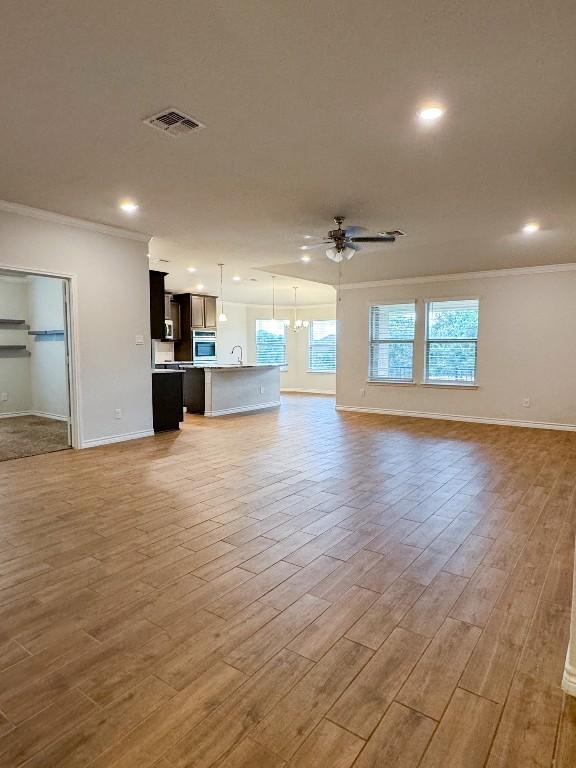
[204, 346]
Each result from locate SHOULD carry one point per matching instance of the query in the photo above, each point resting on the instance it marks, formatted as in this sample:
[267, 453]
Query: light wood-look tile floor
[290, 589]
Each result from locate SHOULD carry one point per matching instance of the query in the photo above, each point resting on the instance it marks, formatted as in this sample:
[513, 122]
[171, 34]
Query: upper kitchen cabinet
[197, 312]
[157, 310]
[175, 316]
[203, 311]
[210, 311]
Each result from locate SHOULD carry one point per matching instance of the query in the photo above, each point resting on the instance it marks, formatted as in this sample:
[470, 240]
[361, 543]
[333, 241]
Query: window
[270, 342]
[451, 339]
[322, 346]
[392, 342]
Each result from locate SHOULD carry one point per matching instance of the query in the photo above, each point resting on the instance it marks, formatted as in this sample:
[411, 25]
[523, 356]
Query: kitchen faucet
[238, 346]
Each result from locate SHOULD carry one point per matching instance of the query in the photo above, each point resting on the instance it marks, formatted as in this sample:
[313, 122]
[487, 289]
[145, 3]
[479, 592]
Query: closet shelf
[14, 350]
[46, 333]
[7, 323]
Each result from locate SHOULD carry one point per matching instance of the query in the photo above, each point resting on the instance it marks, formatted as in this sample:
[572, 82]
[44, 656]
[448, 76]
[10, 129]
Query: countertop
[166, 370]
[190, 366]
[234, 367]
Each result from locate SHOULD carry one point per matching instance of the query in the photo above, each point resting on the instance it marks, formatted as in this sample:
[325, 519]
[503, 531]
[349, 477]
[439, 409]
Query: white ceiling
[254, 287]
[310, 111]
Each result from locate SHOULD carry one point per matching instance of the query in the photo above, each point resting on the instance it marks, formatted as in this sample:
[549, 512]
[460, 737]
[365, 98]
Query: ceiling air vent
[174, 123]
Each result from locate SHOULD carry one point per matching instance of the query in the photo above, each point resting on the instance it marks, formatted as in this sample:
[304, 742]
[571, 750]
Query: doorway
[35, 392]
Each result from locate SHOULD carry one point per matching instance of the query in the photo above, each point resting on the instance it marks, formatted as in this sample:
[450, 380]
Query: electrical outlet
[4, 396]
[139, 338]
[261, 390]
[526, 402]
[118, 413]
[362, 392]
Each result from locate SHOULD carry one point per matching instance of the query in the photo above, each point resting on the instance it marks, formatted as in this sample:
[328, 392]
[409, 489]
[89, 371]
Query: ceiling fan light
[334, 254]
[348, 253]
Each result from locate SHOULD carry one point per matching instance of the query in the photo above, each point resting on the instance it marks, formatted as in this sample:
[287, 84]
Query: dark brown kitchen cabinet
[167, 400]
[157, 304]
[210, 311]
[175, 317]
[197, 312]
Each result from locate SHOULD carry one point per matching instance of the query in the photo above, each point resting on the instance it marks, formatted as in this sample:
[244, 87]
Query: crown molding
[506, 272]
[70, 221]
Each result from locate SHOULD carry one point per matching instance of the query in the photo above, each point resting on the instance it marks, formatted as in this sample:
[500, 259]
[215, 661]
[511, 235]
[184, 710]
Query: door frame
[72, 343]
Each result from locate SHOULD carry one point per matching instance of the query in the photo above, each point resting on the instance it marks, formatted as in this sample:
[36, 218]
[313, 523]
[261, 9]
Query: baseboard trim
[43, 415]
[15, 413]
[569, 679]
[455, 417]
[94, 443]
[243, 409]
[309, 391]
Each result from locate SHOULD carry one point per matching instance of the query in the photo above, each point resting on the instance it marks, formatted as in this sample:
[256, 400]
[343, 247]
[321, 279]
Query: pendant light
[297, 325]
[221, 317]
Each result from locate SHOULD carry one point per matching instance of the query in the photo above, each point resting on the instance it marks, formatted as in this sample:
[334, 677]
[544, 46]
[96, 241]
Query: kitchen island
[214, 390]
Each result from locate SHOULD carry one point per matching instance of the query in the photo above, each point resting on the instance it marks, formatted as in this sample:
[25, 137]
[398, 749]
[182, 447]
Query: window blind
[391, 351]
[451, 340]
[270, 342]
[322, 346]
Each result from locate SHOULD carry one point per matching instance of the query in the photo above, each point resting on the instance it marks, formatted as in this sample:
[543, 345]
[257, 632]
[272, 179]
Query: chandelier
[296, 324]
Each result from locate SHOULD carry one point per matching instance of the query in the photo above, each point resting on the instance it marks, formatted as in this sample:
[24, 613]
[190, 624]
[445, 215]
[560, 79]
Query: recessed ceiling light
[531, 227]
[430, 114]
[191, 269]
[129, 206]
[200, 287]
[236, 278]
[305, 259]
[308, 237]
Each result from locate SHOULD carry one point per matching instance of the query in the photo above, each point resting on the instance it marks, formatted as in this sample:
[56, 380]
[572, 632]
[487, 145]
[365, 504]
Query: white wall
[297, 376]
[14, 371]
[112, 305]
[233, 331]
[302, 379]
[525, 350]
[48, 374]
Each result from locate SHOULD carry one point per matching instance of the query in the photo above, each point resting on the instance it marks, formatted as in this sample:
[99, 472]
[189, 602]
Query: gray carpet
[30, 435]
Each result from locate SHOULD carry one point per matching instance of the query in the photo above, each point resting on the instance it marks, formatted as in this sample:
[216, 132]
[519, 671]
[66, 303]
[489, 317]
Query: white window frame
[283, 365]
[311, 344]
[404, 382]
[449, 382]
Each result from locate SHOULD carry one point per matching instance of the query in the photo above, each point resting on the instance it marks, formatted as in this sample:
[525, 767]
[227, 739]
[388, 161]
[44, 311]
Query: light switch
[139, 339]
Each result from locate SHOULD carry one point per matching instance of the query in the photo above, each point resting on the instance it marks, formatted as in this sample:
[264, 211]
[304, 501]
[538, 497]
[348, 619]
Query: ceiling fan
[343, 243]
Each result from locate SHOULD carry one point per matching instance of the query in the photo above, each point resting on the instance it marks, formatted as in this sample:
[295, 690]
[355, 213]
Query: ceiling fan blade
[374, 239]
[352, 231]
[393, 233]
[315, 245]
